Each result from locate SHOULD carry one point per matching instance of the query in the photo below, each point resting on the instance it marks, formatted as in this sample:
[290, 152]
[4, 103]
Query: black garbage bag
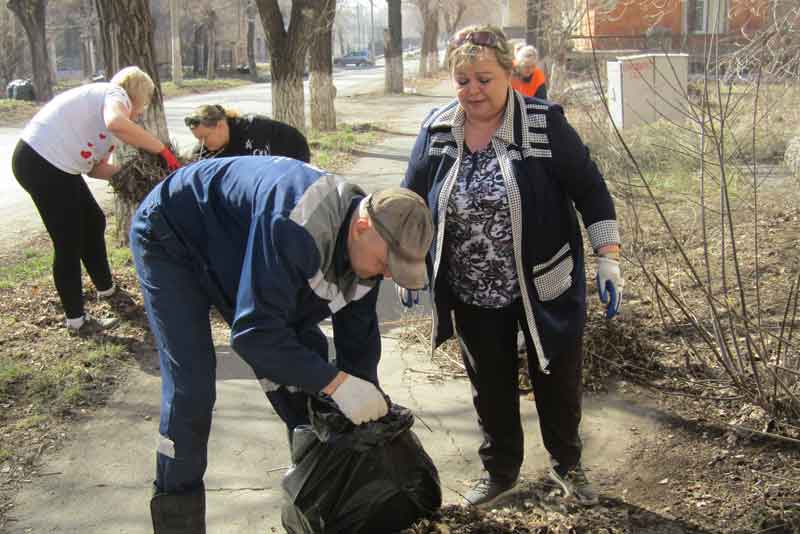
[373, 478]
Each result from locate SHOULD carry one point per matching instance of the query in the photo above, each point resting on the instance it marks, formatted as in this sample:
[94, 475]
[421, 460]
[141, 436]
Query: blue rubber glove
[609, 284]
[408, 297]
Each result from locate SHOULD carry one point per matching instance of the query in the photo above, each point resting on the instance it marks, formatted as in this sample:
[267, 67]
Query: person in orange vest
[527, 78]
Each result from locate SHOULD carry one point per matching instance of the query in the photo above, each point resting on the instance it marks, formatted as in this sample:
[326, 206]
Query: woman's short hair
[136, 83]
[209, 115]
[470, 42]
[526, 56]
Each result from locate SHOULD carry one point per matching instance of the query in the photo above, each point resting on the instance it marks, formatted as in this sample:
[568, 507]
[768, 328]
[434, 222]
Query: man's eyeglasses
[477, 38]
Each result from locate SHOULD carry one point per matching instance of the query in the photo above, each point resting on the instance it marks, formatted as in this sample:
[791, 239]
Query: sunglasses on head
[477, 38]
[210, 119]
[192, 122]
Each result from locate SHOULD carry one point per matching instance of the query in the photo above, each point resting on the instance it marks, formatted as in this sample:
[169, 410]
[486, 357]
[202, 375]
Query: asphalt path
[19, 220]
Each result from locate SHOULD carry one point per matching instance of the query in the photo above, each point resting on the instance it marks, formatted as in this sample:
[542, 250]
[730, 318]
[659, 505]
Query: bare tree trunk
[127, 35]
[287, 96]
[198, 48]
[433, 44]
[175, 31]
[88, 60]
[372, 30]
[211, 39]
[251, 41]
[429, 11]
[424, 7]
[321, 88]
[32, 16]
[539, 33]
[452, 13]
[339, 32]
[51, 53]
[533, 25]
[12, 46]
[287, 50]
[792, 156]
[393, 44]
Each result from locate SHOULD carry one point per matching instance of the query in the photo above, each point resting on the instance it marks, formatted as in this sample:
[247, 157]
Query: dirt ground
[695, 473]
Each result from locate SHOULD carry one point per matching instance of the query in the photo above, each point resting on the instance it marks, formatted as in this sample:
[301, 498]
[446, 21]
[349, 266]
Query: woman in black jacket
[224, 132]
[503, 175]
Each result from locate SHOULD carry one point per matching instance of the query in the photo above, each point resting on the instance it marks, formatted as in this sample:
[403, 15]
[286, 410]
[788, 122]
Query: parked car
[359, 59]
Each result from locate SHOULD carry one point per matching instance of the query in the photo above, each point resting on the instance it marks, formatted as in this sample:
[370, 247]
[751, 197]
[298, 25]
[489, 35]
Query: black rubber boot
[179, 513]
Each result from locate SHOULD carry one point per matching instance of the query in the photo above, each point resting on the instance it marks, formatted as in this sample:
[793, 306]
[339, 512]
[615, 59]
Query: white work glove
[609, 284]
[407, 297]
[359, 400]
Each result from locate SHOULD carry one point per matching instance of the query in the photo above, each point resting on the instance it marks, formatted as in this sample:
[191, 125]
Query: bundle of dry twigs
[139, 174]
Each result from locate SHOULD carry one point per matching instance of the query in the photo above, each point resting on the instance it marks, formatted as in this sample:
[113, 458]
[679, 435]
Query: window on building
[706, 16]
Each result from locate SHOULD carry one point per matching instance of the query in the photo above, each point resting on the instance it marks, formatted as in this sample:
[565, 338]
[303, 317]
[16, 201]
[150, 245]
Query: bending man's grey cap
[403, 220]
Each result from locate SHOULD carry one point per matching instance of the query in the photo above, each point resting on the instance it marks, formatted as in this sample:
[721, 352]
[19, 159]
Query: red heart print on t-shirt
[85, 154]
[102, 136]
[90, 145]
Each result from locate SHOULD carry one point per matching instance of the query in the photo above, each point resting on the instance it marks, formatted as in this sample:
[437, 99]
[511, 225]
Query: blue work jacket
[268, 235]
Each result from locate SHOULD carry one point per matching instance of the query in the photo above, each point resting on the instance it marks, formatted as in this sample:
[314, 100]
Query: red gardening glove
[169, 157]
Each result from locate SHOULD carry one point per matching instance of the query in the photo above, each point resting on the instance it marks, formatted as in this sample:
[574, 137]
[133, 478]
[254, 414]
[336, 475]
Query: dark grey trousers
[488, 340]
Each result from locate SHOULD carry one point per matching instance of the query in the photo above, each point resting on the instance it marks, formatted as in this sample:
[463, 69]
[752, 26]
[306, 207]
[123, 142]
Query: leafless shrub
[774, 50]
[722, 272]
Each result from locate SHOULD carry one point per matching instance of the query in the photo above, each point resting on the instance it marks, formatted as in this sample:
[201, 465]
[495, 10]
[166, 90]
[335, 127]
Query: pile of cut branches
[139, 173]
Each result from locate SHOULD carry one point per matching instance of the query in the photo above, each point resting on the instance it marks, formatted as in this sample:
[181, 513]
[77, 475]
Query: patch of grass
[119, 256]
[669, 154]
[73, 395]
[14, 112]
[8, 105]
[5, 454]
[30, 422]
[333, 150]
[200, 85]
[72, 380]
[12, 374]
[98, 355]
[35, 264]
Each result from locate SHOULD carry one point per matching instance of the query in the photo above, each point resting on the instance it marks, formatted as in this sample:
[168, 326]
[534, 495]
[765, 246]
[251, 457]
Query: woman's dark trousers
[73, 219]
[488, 340]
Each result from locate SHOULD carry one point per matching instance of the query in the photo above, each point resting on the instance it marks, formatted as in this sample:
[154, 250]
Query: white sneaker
[88, 325]
[107, 292]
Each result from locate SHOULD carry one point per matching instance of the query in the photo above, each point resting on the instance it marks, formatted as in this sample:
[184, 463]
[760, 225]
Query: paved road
[18, 217]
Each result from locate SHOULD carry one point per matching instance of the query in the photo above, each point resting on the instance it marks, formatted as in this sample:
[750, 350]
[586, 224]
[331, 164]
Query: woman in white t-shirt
[75, 134]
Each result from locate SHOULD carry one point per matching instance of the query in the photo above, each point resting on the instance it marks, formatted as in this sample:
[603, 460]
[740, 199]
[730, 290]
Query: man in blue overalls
[276, 246]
